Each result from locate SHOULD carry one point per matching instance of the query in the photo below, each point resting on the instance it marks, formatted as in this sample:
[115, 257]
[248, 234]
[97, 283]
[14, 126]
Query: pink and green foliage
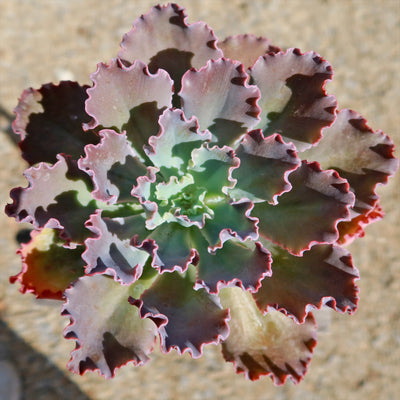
[198, 192]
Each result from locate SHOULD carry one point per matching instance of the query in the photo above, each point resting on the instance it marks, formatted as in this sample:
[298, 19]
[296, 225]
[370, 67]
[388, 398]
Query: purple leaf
[246, 48]
[309, 213]
[163, 39]
[128, 98]
[107, 253]
[49, 121]
[293, 100]
[112, 160]
[235, 264]
[57, 196]
[270, 344]
[187, 319]
[324, 275]
[264, 166]
[361, 156]
[48, 267]
[108, 331]
[221, 99]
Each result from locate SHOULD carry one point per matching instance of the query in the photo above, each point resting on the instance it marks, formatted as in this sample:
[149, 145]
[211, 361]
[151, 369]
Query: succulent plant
[200, 192]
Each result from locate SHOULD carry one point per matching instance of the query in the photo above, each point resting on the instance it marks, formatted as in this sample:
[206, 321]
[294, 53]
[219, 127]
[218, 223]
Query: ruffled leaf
[163, 39]
[58, 196]
[271, 344]
[48, 267]
[246, 48]
[264, 166]
[235, 264]
[172, 248]
[187, 319]
[212, 168]
[114, 167]
[230, 219]
[108, 253]
[324, 275]
[309, 213]
[171, 149]
[220, 98]
[108, 331]
[293, 100]
[362, 156]
[130, 99]
[49, 121]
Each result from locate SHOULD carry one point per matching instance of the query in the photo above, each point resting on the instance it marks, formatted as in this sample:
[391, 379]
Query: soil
[357, 356]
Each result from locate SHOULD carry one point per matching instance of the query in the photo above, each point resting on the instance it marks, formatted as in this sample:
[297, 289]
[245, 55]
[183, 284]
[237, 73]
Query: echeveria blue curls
[200, 191]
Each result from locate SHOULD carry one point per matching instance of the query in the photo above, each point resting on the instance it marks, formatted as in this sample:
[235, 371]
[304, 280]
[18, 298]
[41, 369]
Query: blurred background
[357, 357]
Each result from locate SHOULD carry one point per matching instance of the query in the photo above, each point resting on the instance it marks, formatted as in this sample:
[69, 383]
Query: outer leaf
[49, 121]
[57, 196]
[293, 100]
[113, 160]
[171, 149]
[246, 48]
[48, 268]
[219, 96]
[107, 253]
[235, 264]
[109, 332]
[324, 275]
[162, 39]
[360, 155]
[264, 166]
[309, 213]
[187, 319]
[128, 98]
[269, 344]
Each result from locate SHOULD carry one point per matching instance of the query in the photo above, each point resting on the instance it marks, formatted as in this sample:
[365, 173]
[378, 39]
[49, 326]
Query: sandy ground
[357, 357]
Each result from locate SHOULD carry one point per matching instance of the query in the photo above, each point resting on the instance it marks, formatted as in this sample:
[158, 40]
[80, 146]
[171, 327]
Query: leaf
[108, 331]
[264, 166]
[187, 319]
[49, 121]
[309, 213]
[58, 196]
[112, 160]
[361, 156]
[219, 96]
[212, 168]
[235, 264]
[172, 247]
[271, 344]
[246, 48]
[48, 267]
[293, 100]
[171, 149]
[324, 275]
[128, 98]
[162, 39]
[230, 220]
[107, 253]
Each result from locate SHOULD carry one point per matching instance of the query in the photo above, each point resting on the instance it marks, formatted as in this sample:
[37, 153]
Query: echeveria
[200, 192]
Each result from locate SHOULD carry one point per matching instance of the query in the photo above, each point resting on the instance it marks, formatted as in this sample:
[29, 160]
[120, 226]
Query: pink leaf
[246, 48]
[270, 344]
[108, 331]
[293, 100]
[219, 96]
